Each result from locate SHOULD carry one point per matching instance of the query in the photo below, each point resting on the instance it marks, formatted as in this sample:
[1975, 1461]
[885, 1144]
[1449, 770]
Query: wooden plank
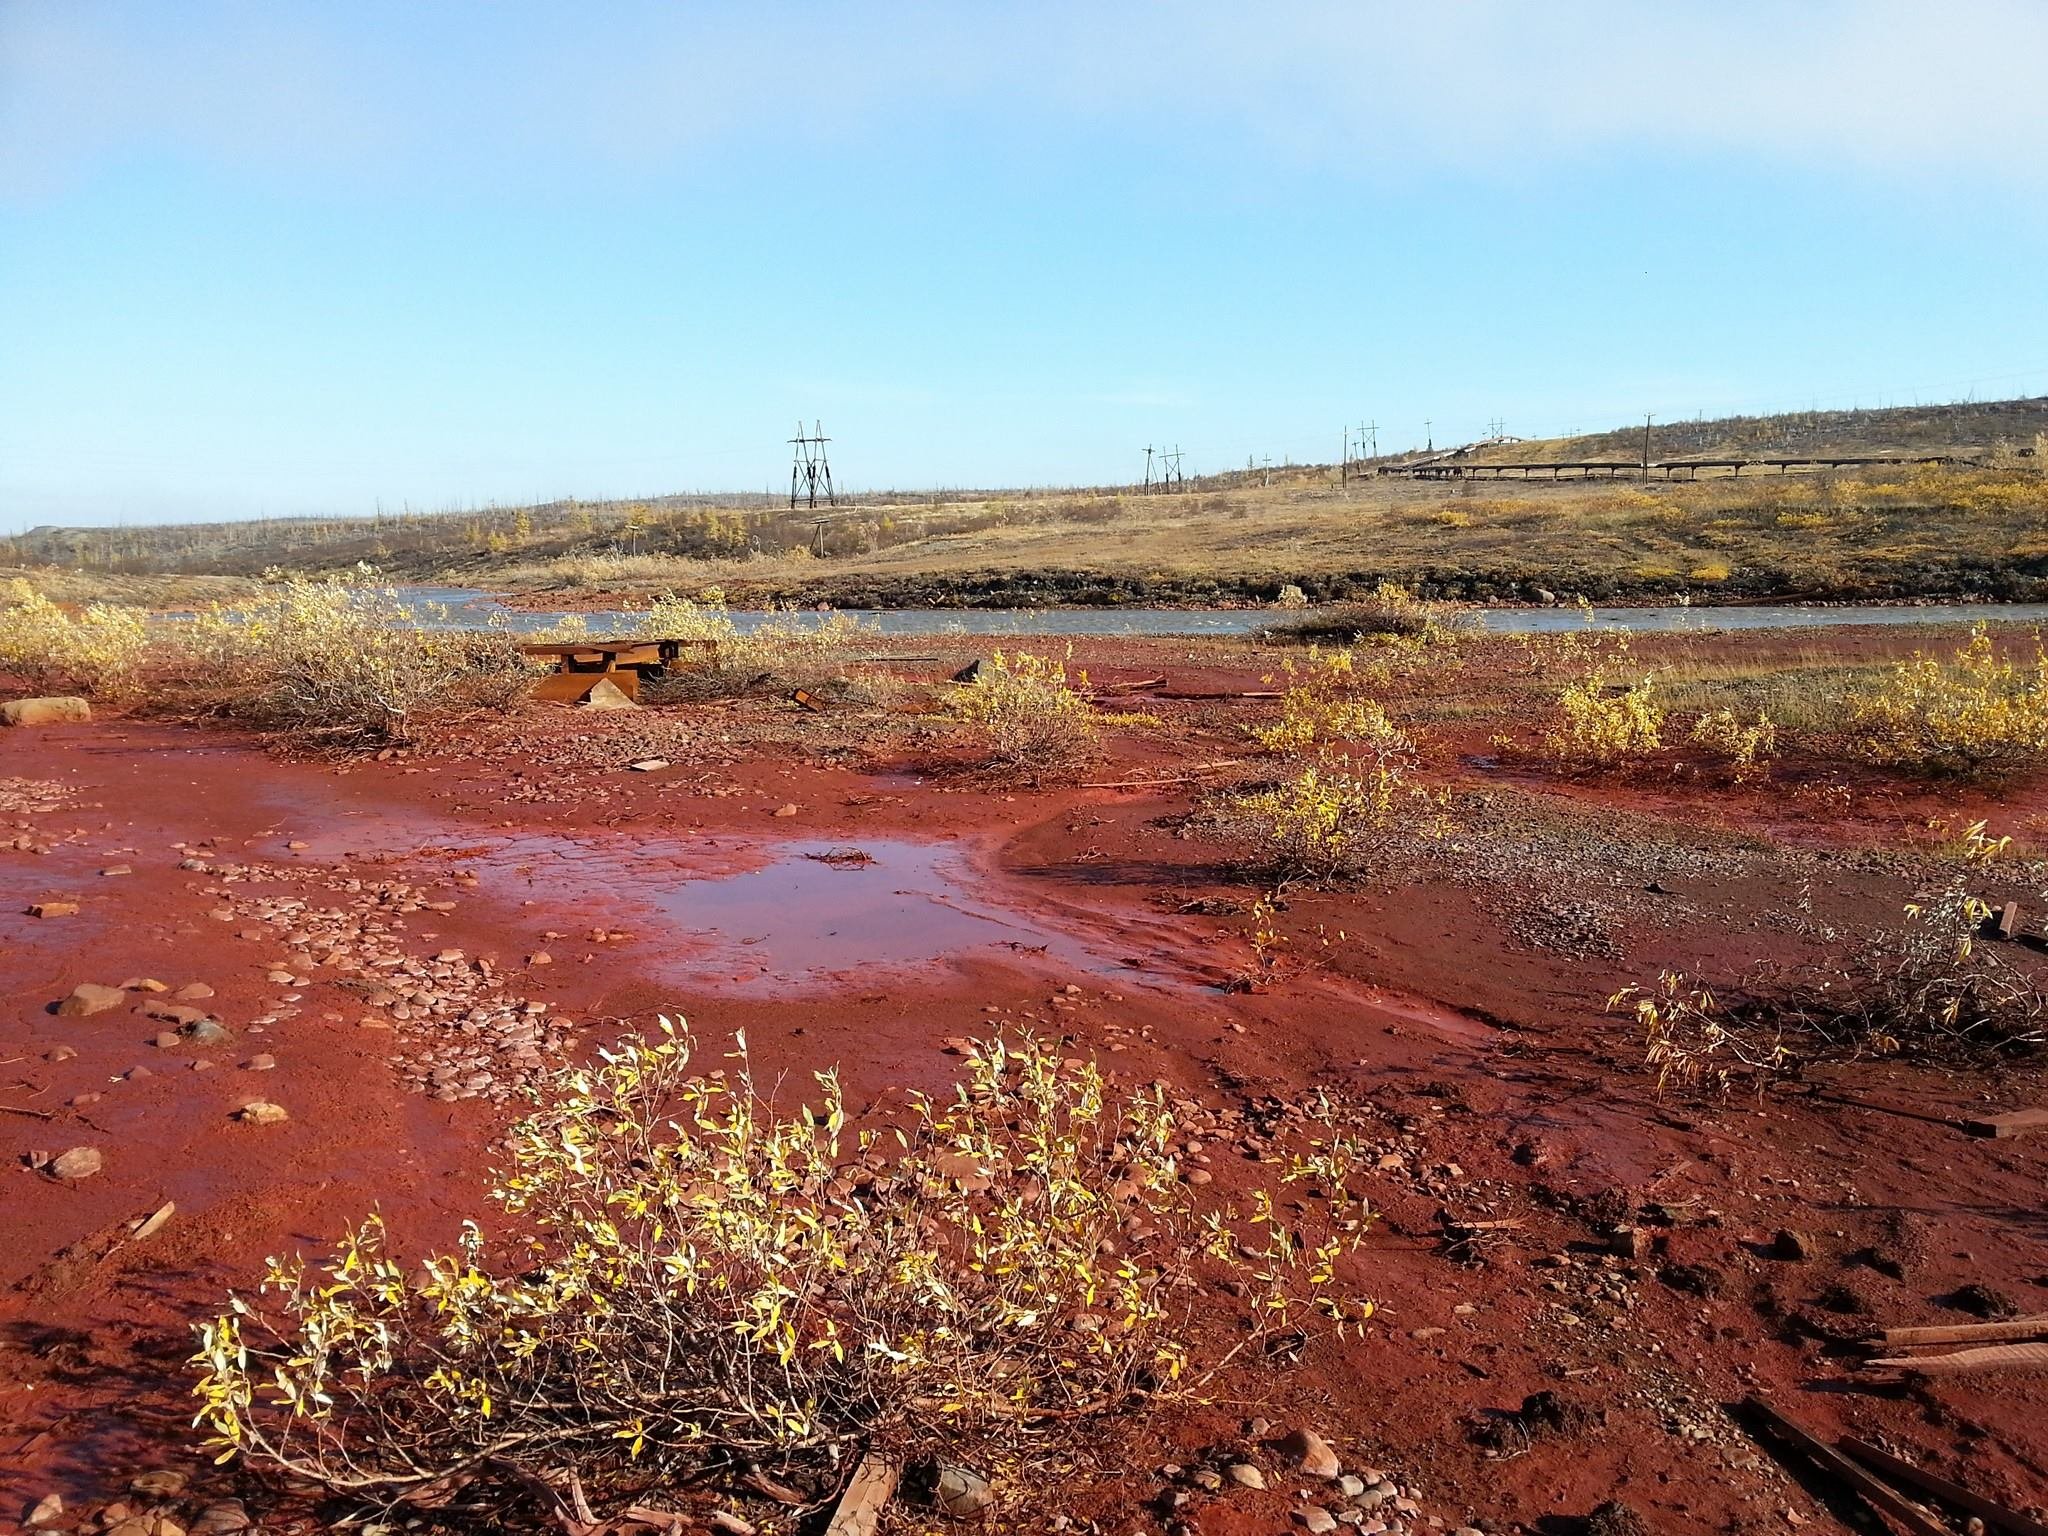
[872, 1485]
[2018, 1122]
[1994, 1515]
[1967, 1333]
[1993, 1357]
[1874, 1493]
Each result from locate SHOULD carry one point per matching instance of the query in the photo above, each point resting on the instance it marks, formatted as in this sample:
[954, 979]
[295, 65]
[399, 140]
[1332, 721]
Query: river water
[464, 607]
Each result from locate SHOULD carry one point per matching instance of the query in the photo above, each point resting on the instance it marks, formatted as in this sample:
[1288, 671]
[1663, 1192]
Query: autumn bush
[1926, 987]
[707, 1289]
[1973, 711]
[789, 650]
[1347, 803]
[340, 662]
[1600, 721]
[1024, 714]
[97, 649]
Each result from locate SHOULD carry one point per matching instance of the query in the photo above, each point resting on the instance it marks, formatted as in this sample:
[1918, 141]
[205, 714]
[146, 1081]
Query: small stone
[117, 869]
[193, 992]
[143, 984]
[649, 765]
[78, 1163]
[1351, 1487]
[1310, 1517]
[261, 1112]
[540, 957]
[1310, 1453]
[46, 711]
[165, 1484]
[87, 998]
[47, 1512]
[53, 909]
[785, 810]
[958, 1491]
[262, 1061]
[206, 1032]
[607, 695]
[1793, 1247]
[1245, 1475]
[223, 1518]
[60, 1053]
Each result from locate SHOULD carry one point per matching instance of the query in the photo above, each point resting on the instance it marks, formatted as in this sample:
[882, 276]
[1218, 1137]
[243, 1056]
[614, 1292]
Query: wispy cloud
[403, 93]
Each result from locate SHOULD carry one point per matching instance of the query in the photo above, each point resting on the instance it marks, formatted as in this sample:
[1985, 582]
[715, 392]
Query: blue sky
[298, 258]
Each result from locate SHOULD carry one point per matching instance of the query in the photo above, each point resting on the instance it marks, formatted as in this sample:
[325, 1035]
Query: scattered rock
[261, 1112]
[649, 765]
[1245, 1475]
[117, 869]
[205, 1032]
[1310, 1453]
[262, 1061]
[45, 711]
[1694, 1279]
[1793, 1247]
[164, 1484]
[60, 1053]
[1615, 1518]
[1984, 1301]
[224, 1518]
[193, 992]
[785, 810]
[88, 998]
[952, 1490]
[607, 695]
[78, 1163]
[53, 909]
[49, 1509]
[1311, 1517]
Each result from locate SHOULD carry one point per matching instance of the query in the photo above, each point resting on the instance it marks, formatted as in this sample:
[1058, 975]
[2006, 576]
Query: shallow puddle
[789, 915]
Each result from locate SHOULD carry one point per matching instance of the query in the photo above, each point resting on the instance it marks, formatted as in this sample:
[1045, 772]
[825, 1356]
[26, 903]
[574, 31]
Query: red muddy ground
[1465, 1032]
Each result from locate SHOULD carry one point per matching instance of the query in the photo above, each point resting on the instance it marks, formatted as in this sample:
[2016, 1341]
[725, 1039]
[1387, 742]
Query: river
[466, 607]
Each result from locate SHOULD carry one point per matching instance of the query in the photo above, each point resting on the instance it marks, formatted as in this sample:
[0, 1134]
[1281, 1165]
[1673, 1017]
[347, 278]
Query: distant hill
[1972, 430]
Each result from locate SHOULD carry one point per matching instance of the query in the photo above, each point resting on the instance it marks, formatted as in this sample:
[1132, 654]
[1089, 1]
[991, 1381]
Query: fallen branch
[1185, 776]
[860, 1507]
[1828, 1459]
[34, 1114]
[1995, 1357]
[2034, 1327]
[1994, 1515]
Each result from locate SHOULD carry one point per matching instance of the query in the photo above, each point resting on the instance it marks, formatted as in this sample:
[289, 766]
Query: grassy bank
[1927, 533]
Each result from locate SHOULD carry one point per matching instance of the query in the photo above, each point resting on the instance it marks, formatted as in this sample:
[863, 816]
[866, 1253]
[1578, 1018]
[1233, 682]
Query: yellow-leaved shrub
[1972, 711]
[705, 1286]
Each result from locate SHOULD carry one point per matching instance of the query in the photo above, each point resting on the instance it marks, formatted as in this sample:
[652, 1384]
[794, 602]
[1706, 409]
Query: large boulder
[52, 711]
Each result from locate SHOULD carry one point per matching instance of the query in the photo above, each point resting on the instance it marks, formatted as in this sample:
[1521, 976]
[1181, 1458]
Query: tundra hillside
[1975, 526]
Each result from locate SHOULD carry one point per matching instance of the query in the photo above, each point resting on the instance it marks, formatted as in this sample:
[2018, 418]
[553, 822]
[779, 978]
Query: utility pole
[809, 466]
[1646, 447]
[1344, 459]
[1429, 435]
[1267, 465]
[1148, 466]
[1370, 429]
[1171, 475]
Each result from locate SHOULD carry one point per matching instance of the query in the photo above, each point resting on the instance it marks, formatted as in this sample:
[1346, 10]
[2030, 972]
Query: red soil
[1521, 1100]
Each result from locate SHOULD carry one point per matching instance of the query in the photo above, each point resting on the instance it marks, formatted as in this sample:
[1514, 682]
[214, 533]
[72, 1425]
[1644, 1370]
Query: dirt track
[1458, 1022]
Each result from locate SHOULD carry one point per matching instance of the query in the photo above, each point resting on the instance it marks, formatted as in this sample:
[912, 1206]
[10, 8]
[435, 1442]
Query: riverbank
[395, 947]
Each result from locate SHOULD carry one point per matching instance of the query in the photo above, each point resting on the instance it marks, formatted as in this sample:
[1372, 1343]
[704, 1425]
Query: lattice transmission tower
[809, 469]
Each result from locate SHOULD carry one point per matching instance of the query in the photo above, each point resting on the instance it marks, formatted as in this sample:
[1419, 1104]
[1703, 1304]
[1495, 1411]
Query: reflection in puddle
[805, 917]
